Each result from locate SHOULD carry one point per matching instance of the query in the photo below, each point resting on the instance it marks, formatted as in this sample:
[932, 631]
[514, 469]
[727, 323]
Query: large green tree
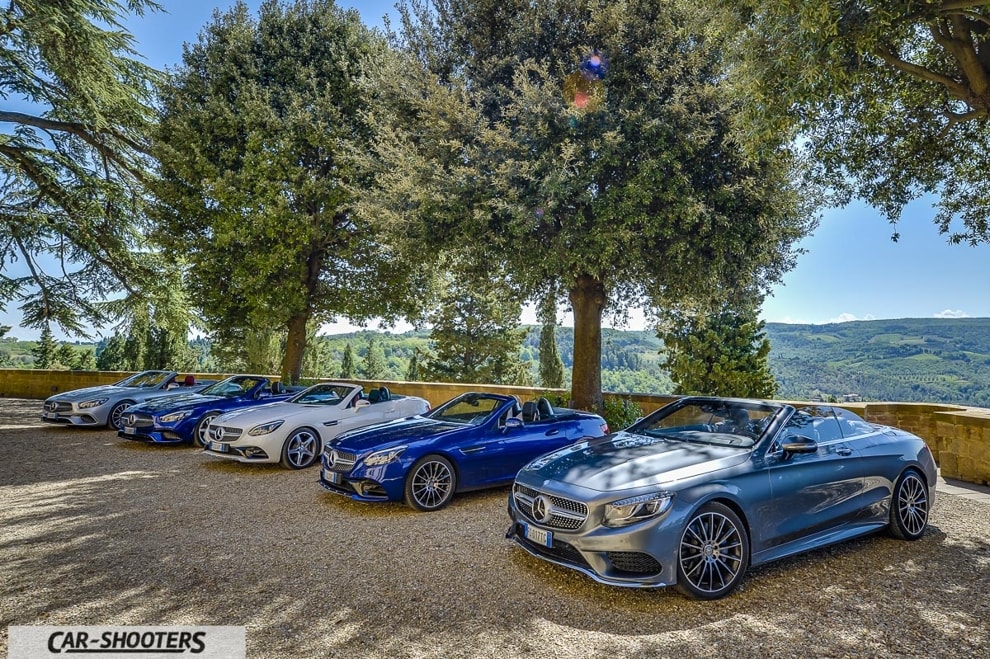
[891, 99]
[721, 354]
[261, 130]
[585, 144]
[72, 163]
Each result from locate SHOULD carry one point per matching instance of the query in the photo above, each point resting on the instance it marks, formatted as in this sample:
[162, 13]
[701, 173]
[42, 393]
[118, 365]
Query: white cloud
[848, 318]
[949, 313]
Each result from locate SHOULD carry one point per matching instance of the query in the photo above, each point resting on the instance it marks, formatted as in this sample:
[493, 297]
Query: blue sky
[851, 271]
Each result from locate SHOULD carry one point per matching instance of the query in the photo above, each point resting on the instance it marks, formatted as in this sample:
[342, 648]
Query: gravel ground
[100, 531]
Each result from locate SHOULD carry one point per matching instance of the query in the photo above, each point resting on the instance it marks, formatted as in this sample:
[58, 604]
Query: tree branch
[955, 88]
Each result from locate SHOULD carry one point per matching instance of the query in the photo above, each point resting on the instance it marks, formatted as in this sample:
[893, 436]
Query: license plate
[332, 477]
[219, 447]
[539, 536]
[51, 415]
[129, 430]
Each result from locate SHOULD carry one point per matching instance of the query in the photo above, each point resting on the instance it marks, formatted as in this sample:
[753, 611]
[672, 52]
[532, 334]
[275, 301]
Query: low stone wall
[959, 437]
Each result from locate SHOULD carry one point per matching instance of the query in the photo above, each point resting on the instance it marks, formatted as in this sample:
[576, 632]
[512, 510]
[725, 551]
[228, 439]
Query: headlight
[266, 428]
[636, 509]
[384, 457]
[96, 402]
[174, 416]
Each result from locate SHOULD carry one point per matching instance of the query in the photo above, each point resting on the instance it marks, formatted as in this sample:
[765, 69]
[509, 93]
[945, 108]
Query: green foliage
[412, 371]
[347, 369]
[889, 98]
[85, 360]
[72, 161]
[620, 412]
[46, 352]
[551, 366]
[475, 334]
[724, 354]
[646, 199]
[374, 367]
[260, 142]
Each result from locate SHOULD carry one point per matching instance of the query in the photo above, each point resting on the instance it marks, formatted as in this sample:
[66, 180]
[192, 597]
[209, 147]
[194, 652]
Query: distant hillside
[913, 360]
[910, 360]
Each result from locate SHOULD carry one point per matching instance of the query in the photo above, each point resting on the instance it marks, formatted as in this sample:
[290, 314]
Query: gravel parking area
[100, 531]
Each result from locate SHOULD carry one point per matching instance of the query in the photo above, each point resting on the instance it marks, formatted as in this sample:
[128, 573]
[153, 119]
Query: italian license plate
[128, 430]
[51, 415]
[219, 447]
[539, 536]
[332, 477]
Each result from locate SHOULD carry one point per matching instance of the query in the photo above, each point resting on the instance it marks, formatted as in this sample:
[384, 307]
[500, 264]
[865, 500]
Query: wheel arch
[732, 504]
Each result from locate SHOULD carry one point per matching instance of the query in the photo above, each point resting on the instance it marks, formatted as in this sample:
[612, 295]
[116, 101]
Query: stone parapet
[959, 437]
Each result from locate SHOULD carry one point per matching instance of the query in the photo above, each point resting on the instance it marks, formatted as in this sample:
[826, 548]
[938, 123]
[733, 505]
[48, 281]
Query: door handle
[331, 423]
[842, 450]
[552, 432]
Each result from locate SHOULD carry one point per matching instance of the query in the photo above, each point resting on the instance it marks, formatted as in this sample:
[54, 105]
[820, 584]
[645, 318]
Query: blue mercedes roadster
[182, 419]
[474, 441]
[704, 488]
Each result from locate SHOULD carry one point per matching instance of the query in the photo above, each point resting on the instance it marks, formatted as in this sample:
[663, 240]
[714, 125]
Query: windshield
[726, 423]
[231, 387]
[146, 379]
[322, 394]
[473, 409]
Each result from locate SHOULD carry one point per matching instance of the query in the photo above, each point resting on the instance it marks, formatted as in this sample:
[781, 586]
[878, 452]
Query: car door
[814, 492]
[510, 448]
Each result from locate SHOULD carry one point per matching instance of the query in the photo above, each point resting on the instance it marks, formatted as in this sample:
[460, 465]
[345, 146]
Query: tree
[110, 354]
[85, 361]
[724, 354]
[374, 366]
[891, 99]
[598, 156]
[65, 356]
[72, 160]
[347, 369]
[261, 132]
[46, 352]
[412, 371]
[551, 366]
[475, 334]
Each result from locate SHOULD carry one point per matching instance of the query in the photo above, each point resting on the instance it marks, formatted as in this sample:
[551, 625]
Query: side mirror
[513, 424]
[800, 445]
[358, 404]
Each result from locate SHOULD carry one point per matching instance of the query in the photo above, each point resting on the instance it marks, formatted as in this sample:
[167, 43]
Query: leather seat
[374, 396]
[544, 407]
[530, 412]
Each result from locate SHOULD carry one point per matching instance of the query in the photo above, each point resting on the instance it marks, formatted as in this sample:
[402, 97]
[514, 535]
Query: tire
[909, 507]
[301, 449]
[114, 418]
[199, 437]
[713, 553]
[430, 484]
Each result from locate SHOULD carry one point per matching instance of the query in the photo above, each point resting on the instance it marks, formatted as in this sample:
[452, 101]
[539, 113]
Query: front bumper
[374, 485]
[629, 556]
[240, 452]
[152, 436]
[90, 417]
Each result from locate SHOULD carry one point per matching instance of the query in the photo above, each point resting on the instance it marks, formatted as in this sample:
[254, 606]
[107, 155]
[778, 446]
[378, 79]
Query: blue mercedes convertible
[474, 441]
[183, 419]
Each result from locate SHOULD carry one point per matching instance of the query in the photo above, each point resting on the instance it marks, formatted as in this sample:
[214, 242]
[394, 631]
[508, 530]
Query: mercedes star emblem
[218, 433]
[541, 509]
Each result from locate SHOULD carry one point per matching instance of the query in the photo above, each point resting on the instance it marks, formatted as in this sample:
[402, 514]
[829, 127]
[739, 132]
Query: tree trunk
[295, 347]
[588, 302]
[295, 341]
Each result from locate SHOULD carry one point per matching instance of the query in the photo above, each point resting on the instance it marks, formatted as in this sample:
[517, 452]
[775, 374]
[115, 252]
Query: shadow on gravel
[96, 531]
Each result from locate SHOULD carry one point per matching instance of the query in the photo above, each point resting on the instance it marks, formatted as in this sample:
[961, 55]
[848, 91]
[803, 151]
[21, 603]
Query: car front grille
[562, 513]
[339, 460]
[58, 406]
[634, 562]
[224, 434]
[138, 420]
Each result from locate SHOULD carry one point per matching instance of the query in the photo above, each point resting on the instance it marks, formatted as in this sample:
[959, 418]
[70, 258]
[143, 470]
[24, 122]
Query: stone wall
[959, 437]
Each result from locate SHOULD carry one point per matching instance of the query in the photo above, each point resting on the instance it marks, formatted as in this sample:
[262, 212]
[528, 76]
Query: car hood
[111, 390]
[625, 461]
[394, 433]
[175, 403]
[251, 416]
